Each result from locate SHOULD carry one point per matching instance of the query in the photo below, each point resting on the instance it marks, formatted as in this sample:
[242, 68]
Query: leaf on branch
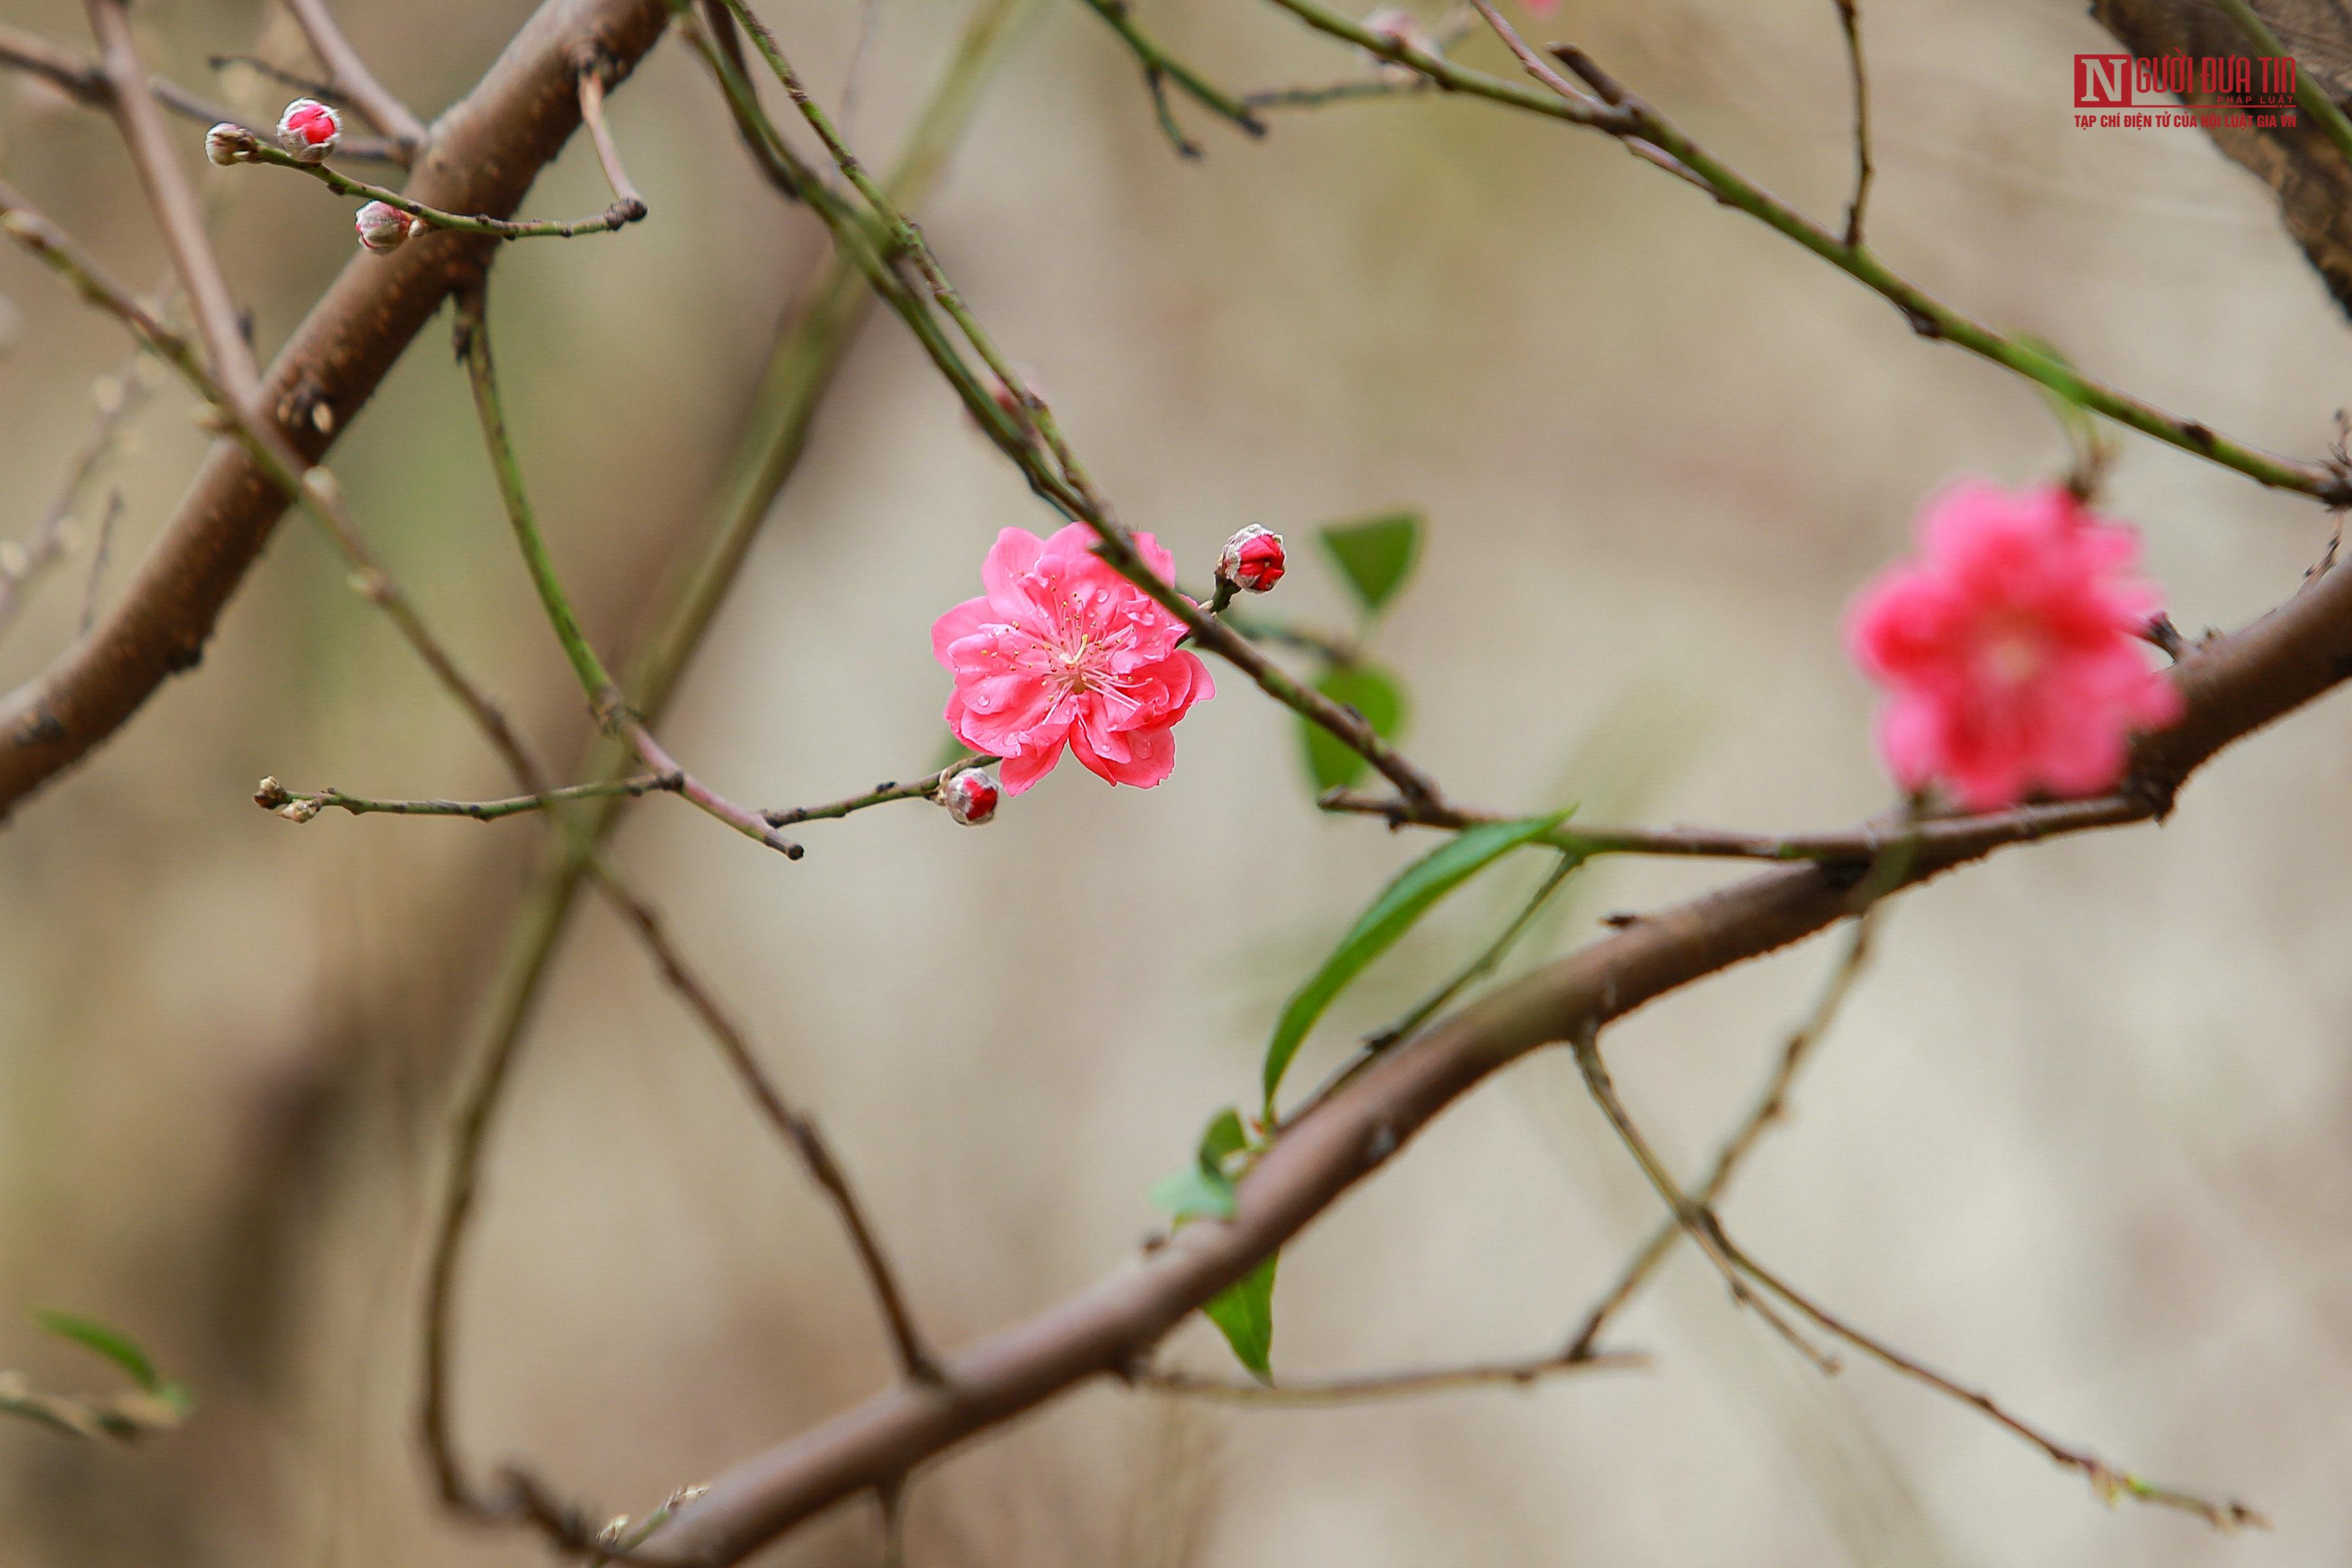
[155, 1405]
[1243, 1314]
[1375, 554]
[1401, 904]
[1370, 691]
[1204, 1189]
[103, 1340]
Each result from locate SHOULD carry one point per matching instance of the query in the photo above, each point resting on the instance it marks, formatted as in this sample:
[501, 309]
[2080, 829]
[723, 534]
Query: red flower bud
[382, 226]
[226, 144]
[1252, 560]
[969, 796]
[309, 129]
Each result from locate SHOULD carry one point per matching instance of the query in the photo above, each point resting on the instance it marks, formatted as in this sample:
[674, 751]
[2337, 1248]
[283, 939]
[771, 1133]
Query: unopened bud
[382, 226]
[309, 129]
[1252, 560]
[225, 144]
[298, 810]
[969, 796]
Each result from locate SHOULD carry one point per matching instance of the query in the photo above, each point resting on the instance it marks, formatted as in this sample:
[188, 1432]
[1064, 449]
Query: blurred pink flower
[2010, 649]
[1062, 647]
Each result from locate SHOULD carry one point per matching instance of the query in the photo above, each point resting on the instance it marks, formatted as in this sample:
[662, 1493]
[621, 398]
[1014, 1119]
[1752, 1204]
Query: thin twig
[119, 397]
[717, 39]
[1063, 481]
[90, 86]
[869, 22]
[1160, 67]
[1648, 133]
[177, 214]
[604, 697]
[1688, 1216]
[325, 91]
[1707, 1229]
[2107, 1482]
[302, 805]
[1934, 837]
[2310, 93]
[915, 789]
[252, 149]
[807, 353]
[353, 80]
[592, 113]
[1336, 92]
[1364, 1388]
[98, 551]
[1850, 23]
[1770, 1107]
[606, 701]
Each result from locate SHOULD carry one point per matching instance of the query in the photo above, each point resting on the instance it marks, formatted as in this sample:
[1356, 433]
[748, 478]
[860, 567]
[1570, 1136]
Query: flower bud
[226, 144]
[382, 226]
[969, 796]
[309, 129]
[1252, 560]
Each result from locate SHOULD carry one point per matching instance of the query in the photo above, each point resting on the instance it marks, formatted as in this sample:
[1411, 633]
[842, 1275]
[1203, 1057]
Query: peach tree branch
[490, 146]
[1614, 112]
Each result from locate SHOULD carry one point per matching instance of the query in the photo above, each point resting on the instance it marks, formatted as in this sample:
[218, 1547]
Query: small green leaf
[1375, 554]
[1243, 1314]
[1194, 1193]
[1402, 902]
[112, 1343]
[1222, 1138]
[1374, 693]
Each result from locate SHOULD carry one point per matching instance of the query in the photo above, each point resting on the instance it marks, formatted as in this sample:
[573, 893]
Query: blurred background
[2080, 1138]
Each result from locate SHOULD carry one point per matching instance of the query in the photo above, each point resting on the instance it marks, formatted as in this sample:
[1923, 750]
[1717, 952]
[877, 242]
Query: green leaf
[112, 1343]
[1375, 554]
[1374, 693]
[1205, 1190]
[1402, 902]
[1224, 1137]
[1243, 1314]
[1194, 1193]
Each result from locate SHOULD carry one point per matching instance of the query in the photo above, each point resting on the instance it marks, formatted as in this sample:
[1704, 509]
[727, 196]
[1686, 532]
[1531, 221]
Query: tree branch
[488, 149]
[177, 212]
[2233, 686]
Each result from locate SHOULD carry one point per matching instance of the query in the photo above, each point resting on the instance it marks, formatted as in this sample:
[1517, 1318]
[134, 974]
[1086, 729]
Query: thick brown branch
[2234, 685]
[485, 154]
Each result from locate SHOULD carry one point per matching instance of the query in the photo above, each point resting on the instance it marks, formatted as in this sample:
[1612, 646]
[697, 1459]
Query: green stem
[2309, 96]
[1649, 134]
[880, 794]
[618, 216]
[1158, 62]
[273, 797]
[474, 345]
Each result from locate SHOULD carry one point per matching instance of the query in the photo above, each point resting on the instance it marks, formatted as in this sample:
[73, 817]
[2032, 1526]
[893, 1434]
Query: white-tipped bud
[382, 226]
[309, 129]
[1252, 560]
[225, 144]
[969, 796]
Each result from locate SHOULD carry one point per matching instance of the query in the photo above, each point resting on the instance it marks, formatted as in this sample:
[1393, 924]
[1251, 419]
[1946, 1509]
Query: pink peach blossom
[2010, 649]
[1062, 647]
